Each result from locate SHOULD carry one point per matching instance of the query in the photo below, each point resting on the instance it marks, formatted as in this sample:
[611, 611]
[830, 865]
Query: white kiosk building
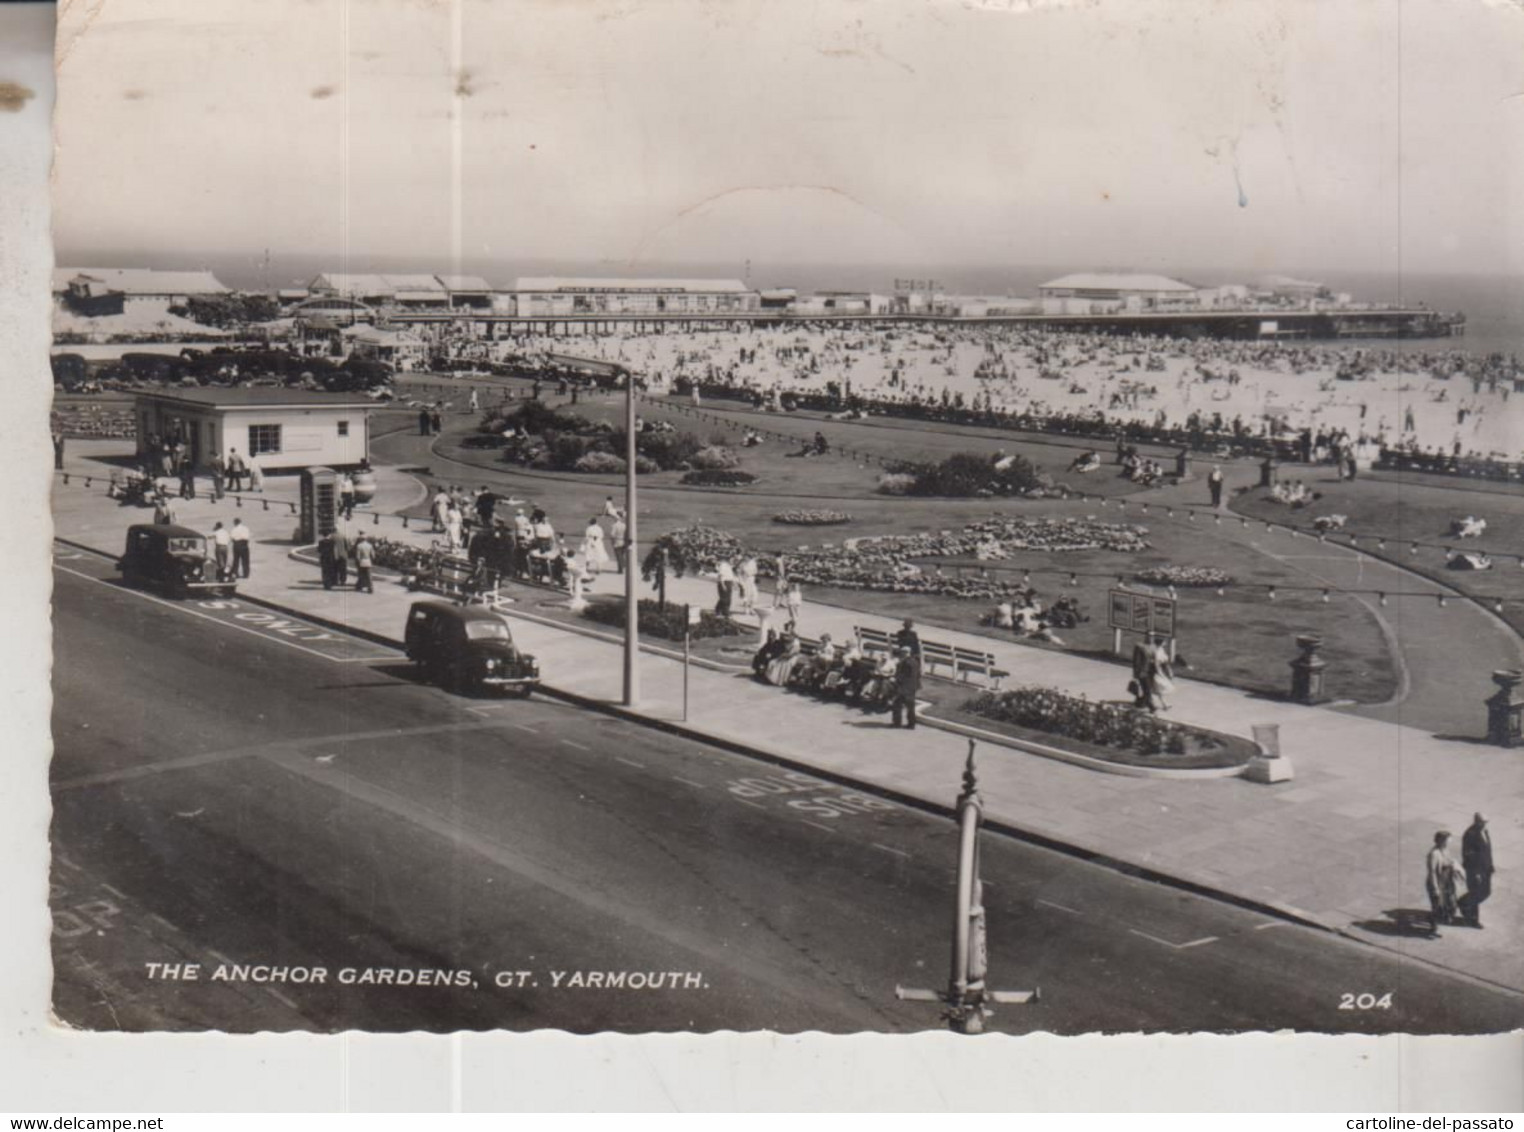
[282, 428]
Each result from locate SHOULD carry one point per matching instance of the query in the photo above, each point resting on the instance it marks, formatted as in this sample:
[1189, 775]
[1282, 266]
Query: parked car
[467, 648]
[171, 559]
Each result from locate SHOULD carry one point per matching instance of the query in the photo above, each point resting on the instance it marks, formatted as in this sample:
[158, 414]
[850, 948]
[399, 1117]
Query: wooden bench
[960, 662]
[451, 577]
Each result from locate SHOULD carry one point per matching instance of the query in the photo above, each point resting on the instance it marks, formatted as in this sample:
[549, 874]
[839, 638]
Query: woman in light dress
[746, 576]
[1163, 683]
[594, 554]
[454, 525]
[1443, 884]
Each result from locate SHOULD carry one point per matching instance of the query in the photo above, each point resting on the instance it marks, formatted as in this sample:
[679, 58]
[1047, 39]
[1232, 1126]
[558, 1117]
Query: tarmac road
[233, 787]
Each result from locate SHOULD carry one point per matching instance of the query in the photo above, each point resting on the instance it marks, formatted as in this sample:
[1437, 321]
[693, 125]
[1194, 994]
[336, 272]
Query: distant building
[79, 285]
[284, 428]
[467, 290]
[398, 348]
[383, 290]
[554, 295]
[1107, 292]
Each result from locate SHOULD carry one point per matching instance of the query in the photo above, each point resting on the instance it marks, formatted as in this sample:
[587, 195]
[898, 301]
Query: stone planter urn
[1505, 709]
[1307, 670]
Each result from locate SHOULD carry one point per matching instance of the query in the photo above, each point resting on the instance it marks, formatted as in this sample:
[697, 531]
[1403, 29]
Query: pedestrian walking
[746, 580]
[1476, 862]
[907, 682]
[725, 584]
[795, 602]
[235, 469]
[58, 450]
[1442, 882]
[340, 558]
[219, 475]
[455, 527]
[163, 512]
[187, 477]
[347, 495]
[436, 421]
[593, 553]
[365, 558]
[327, 560]
[1214, 484]
[256, 475]
[423, 422]
[619, 536]
[240, 538]
[222, 550]
[476, 403]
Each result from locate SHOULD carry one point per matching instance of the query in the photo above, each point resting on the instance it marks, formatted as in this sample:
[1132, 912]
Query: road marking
[689, 782]
[162, 922]
[579, 746]
[891, 849]
[481, 711]
[526, 727]
[817, 825]
[62, 860]
[1062, 907]
[630, 762]
[1271, 924]
[219, 621]
[275, 994]
[117, 892]
[220, 957]
[1175, 946]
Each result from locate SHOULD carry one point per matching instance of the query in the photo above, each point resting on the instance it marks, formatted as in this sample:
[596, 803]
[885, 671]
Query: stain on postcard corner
[13, 96]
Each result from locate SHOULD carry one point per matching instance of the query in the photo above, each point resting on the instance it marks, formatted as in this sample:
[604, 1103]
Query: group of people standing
[738, 591]
[336, 550]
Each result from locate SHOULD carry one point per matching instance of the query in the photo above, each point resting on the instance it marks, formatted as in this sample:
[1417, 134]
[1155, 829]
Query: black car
[171, 559]
[467, 648]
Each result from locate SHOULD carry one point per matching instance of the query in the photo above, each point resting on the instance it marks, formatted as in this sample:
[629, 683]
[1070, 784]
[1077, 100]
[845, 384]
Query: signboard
[1141, 613]
[904, 286]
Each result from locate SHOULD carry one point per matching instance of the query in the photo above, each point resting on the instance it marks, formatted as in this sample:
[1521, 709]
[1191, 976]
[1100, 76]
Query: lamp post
[631, 600]
[967, 1000]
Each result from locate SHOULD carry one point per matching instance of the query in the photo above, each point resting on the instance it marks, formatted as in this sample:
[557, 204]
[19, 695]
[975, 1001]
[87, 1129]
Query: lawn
[1403, 511]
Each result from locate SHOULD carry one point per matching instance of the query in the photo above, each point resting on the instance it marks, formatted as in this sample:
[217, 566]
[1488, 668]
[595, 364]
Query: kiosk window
[264, 438]
[343, 428]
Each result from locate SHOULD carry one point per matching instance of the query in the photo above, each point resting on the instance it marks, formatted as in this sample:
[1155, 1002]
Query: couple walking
[1448, 904]
[1153, 676]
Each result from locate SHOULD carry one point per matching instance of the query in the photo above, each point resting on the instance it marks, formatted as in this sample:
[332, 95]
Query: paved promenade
[1342, 845]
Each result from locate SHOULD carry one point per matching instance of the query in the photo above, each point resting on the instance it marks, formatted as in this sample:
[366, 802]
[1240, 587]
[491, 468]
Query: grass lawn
[1422, 511]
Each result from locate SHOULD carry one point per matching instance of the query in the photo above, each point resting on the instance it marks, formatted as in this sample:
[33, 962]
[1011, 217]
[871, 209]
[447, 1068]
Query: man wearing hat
[907, 682]
[1476, 860]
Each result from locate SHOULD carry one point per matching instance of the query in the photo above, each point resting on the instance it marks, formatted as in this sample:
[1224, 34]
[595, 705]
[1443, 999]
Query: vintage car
[467, 648]
[171, 559]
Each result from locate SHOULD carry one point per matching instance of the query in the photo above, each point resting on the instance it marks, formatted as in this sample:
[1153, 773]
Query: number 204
[1348, 1001]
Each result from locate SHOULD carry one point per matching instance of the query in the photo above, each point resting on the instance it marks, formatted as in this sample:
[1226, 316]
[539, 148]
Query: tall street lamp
[631, 566]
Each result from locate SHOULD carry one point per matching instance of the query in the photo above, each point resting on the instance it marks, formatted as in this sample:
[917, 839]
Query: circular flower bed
[818, 518]
[1185, 576]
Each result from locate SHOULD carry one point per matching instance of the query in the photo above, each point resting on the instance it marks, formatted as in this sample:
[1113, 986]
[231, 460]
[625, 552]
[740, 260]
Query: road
[236, 789]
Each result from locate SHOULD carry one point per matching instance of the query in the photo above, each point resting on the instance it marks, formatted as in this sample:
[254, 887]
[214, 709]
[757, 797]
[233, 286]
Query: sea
[1493, 304]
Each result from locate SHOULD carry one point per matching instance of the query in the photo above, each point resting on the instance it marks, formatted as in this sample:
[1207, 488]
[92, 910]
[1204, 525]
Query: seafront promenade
[1342, 845]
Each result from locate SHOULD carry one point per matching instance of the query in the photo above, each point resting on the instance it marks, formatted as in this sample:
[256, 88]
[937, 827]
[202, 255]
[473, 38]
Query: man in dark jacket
[1476, 860]
[907, 682]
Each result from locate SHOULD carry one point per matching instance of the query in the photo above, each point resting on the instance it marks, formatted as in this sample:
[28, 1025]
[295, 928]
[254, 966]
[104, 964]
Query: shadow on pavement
[1410, 923]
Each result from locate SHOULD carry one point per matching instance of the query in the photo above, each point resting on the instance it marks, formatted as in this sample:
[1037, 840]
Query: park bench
[961, 662]
[452, 576]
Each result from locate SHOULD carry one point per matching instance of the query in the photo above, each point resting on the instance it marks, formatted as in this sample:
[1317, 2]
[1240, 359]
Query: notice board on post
[1129, 612]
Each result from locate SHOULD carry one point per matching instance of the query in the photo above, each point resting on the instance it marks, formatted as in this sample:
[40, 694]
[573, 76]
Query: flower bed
[818, 518]
[1074, 717]
[718, 477]
[1185, 576]
[1113, 732]
[692, 550]
[670, 624]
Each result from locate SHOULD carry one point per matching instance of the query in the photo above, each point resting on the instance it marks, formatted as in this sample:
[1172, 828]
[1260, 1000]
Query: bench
[961, 662]
[451, 577]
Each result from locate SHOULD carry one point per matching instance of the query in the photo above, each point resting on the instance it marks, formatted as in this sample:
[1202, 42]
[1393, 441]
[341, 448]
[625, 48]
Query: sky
[1258, 135]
